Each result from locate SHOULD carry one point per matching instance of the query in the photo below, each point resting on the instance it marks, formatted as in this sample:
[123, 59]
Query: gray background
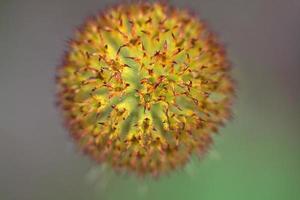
[39, 161]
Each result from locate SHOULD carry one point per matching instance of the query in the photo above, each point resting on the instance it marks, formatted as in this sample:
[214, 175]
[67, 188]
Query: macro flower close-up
[149, 99]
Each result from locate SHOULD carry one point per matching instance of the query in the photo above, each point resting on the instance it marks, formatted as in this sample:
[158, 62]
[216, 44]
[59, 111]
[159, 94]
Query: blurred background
[256, 156]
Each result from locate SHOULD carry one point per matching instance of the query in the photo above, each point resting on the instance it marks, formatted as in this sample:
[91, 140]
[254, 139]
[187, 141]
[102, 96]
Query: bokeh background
[256, 156]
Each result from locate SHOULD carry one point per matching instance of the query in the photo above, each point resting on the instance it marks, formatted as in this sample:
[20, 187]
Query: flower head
[143, 86]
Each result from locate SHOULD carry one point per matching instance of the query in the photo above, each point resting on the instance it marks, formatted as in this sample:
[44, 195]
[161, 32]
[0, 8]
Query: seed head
[143, 86]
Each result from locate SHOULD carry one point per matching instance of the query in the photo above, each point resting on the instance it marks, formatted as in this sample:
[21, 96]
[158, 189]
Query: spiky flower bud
[143, 86]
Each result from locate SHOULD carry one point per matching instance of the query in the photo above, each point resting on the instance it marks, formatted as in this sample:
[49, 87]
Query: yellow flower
[143, 86]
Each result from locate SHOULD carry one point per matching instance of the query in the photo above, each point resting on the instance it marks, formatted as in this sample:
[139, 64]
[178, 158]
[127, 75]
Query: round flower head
[143, 86]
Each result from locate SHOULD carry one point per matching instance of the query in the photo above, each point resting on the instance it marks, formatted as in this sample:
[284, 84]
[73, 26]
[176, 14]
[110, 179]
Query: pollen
[143, 87]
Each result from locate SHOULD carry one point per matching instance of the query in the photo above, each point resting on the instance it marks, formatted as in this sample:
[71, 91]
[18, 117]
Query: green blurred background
[255, 156]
